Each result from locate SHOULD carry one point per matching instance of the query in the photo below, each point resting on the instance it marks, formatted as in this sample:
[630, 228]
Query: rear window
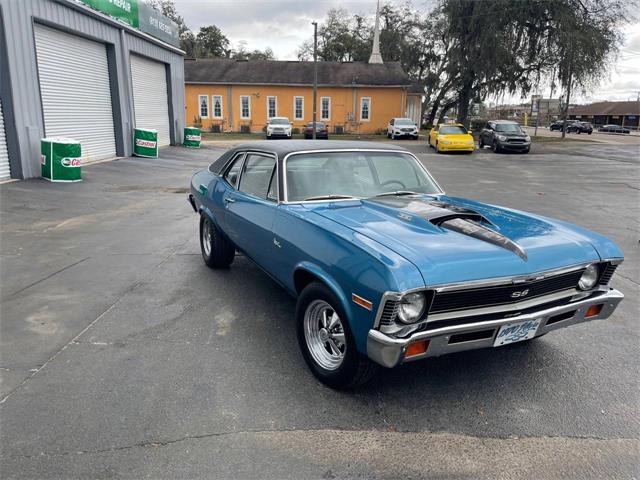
[217, 166]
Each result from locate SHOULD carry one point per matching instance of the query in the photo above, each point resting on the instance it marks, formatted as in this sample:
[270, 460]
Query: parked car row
[576, 126]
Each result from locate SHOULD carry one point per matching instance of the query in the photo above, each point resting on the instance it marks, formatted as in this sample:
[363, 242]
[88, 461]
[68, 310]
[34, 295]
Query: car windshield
[508, 127]
[404, 121]
[452, 130]
[279, 121]
[354, 174]
[318, 124]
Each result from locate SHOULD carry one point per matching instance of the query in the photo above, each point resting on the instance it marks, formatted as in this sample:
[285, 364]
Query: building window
[272, 107]
[365, 109]
[203, 101]
[325, 108]
[217, 106]
[245, 107]
[298, 108]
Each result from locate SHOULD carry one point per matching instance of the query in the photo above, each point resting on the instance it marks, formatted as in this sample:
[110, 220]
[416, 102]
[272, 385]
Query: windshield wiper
[398, 193]
[329, 197]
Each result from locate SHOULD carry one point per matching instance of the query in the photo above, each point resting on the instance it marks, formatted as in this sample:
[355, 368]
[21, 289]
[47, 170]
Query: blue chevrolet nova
[386, 267]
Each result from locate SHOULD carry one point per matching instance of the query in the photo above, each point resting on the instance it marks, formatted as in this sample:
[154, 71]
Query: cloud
[283, 25]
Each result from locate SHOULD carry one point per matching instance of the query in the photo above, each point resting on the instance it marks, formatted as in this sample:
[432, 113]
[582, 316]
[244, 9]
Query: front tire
[217, 251]
[494, 147]
[326, 342]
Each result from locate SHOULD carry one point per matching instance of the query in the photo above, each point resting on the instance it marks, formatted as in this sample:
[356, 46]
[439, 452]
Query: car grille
[607, 273]
[515, 140]
[503, 294]
[389, 312]
[407, 129]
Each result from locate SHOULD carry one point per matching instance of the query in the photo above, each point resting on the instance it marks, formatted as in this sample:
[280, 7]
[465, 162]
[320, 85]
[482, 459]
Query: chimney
[375, 51]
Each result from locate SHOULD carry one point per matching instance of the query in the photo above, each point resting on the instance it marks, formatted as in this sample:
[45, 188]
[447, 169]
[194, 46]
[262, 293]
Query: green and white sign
[139, 15]
[192, 137]
[124, 10]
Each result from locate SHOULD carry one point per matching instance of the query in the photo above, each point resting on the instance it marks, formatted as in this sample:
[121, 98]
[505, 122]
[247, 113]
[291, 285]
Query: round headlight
[411, 307]
[589, 277]
[502, 138]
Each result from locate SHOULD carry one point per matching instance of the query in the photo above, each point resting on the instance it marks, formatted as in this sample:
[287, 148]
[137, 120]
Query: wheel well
[302, 278]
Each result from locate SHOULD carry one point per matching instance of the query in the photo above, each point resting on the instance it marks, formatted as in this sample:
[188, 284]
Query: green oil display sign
[139, 15]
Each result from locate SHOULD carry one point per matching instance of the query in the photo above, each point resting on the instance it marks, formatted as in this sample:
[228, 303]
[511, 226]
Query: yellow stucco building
[238, 95]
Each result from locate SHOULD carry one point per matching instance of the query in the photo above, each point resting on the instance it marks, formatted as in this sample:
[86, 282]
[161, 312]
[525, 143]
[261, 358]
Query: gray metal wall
[19, 16]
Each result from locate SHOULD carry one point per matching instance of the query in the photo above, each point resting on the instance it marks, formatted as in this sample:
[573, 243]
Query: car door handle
[229, 200]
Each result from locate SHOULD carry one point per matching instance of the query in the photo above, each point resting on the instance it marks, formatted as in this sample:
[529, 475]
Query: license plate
[516, 332]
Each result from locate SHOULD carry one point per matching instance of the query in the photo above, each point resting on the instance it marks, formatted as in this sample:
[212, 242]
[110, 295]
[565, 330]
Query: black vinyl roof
[282, 148]
[273, 72]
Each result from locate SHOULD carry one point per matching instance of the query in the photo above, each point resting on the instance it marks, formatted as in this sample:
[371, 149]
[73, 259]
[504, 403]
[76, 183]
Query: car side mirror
[470, 132]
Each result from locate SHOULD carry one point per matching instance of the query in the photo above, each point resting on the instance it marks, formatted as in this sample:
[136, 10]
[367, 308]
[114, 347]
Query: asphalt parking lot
[124, 356]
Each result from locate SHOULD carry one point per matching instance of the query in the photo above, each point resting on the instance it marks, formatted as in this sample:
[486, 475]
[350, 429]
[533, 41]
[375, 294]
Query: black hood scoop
[457, 219]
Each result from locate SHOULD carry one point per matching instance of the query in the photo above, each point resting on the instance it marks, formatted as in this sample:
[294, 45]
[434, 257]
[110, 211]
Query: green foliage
[295, 130]
[197, 121]
[211, 42]
[478, 124]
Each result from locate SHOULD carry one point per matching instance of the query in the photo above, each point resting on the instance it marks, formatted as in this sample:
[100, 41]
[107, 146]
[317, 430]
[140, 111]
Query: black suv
[580, 127]
[557, 125]
[505, 135]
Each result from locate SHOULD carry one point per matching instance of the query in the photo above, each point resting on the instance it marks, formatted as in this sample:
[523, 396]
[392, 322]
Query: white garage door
[76, 96]
[4, 155]
[150, 99]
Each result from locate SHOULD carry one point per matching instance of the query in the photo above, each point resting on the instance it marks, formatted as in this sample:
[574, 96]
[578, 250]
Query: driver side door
[250, 209]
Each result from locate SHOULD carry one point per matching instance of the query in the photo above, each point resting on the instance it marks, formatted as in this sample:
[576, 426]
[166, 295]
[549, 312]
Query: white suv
[278, 127]
[402, 127]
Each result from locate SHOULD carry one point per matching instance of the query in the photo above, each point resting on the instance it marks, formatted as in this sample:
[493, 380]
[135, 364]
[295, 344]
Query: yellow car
[451, 137]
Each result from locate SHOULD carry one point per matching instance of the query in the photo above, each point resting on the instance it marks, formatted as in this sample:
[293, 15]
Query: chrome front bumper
[389, 351]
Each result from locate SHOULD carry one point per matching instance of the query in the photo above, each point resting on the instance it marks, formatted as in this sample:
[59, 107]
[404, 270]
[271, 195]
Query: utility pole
[566, 107]
[315, 76]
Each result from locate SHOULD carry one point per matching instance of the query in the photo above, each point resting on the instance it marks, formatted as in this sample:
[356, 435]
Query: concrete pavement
[123, 356]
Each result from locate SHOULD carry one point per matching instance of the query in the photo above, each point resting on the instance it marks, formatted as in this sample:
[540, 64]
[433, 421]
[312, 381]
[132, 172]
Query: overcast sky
[284, 24]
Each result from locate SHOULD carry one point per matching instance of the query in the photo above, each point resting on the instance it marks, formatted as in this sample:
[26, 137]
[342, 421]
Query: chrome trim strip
[506, 307]
[490, 282]
[342, 150]
[389, 351]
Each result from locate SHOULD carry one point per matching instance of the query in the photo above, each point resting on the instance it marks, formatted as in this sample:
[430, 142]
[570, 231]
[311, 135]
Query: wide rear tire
[326, 341]
[217, 250]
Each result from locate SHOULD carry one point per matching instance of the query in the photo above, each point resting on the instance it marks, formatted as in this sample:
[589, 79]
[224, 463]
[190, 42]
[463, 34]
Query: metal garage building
[70, 70]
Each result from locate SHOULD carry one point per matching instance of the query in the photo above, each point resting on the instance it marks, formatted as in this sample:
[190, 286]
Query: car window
[452, 130]
[233, 173]
[357, 174]
[273, 187]
[508, 127]
[256, 174]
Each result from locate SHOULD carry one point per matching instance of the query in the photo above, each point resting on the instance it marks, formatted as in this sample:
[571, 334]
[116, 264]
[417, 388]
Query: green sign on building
[141, 16]
[124, 10]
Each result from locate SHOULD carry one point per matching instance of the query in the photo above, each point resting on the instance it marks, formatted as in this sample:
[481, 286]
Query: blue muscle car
[387, 268]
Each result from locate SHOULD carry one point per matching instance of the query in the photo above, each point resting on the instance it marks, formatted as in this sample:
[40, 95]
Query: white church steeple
[375, 51]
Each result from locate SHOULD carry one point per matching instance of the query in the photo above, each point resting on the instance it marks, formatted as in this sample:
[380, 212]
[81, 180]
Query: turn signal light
[417, 348]
[594, 310]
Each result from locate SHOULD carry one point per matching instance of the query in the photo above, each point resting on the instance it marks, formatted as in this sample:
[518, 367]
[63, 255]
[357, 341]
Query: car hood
[512, 134]
[454, 240]
[462, 137]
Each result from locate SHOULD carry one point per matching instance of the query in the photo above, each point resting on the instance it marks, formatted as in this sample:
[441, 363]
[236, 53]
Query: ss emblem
[520, 294]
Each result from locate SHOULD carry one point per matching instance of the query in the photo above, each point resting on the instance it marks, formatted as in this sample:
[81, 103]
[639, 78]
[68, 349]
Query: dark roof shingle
[606, 108]
[272, 72]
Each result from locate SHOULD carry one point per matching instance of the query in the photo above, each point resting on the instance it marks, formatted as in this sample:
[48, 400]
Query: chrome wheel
[207, 237]
[324, 334]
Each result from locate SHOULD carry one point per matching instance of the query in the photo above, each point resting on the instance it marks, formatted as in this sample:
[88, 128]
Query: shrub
[427, 126]
[197, 121]
[478, 124]
[295, 130]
